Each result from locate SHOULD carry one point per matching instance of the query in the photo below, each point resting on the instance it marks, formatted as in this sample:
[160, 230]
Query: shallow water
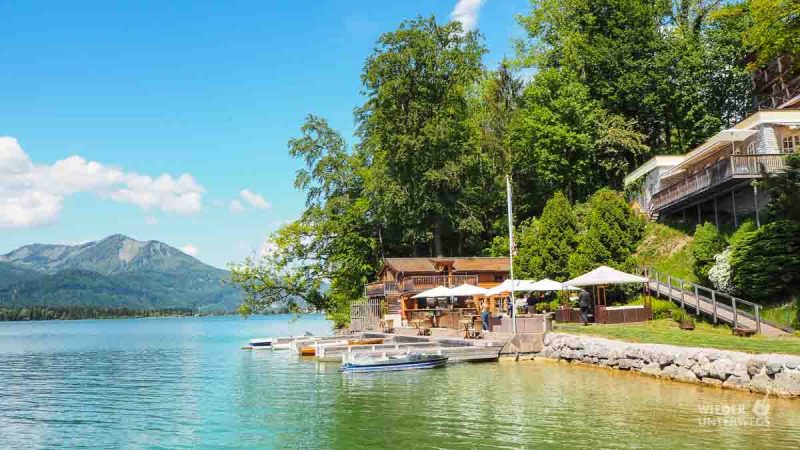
[185, 383]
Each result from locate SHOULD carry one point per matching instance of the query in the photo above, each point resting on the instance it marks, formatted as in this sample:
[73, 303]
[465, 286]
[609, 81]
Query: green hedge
[766, 263]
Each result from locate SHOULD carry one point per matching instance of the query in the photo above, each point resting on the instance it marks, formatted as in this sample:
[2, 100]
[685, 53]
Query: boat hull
[430, 362]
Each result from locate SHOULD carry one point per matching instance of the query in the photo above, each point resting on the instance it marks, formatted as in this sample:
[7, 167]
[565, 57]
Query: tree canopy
[612, 82]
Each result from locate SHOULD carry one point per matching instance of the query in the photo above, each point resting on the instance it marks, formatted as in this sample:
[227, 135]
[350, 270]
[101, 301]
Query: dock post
[735, 319]
[669, 287]
[696, 301]
[758, 320]
[658, 286]
[683, 295]
[714, 305]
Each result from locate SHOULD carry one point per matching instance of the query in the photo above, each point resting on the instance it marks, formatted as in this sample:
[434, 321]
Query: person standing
[585, 303]
[485, 315]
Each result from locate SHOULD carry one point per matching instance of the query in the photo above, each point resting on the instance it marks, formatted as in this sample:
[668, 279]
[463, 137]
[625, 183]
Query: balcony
[719, 175]
[416, 284]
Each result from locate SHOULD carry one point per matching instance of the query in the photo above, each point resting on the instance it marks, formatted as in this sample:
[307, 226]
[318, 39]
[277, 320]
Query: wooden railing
[723, 170]
[417, 284]
[757, 164]
[381, 289]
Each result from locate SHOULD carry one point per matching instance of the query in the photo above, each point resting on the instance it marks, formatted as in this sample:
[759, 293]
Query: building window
[751, 149]
[791, 143]
[499, 277]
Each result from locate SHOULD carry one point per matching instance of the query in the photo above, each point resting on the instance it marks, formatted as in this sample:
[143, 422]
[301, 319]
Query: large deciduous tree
[333, 241]
[415, 127]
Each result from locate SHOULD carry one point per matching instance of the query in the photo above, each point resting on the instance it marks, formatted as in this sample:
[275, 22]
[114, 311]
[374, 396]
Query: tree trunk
[437, 237]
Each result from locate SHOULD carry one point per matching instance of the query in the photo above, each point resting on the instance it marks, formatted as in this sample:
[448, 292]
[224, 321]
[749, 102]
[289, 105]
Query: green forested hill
[117, 272]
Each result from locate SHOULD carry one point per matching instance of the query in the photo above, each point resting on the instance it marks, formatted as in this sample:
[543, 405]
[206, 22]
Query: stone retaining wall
[774, 374]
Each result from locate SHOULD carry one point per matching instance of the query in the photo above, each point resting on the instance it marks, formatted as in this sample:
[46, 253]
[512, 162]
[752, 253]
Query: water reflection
[185, 383]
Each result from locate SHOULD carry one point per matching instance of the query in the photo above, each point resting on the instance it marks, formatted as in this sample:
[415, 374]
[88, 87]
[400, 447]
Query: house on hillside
[402, 278]
[714, 181]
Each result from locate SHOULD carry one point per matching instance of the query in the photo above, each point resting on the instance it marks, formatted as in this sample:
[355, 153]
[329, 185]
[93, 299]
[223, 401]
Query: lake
[185, 383]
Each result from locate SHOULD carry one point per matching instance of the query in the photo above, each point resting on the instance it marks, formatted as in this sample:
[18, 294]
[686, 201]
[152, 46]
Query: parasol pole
[511, 255]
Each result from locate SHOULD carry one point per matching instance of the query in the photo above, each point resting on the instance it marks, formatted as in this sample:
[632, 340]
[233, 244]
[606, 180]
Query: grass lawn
[666, 331]
[785, 314]
[667, 250]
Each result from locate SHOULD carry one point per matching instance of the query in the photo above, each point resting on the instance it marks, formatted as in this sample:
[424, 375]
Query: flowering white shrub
[720, 273]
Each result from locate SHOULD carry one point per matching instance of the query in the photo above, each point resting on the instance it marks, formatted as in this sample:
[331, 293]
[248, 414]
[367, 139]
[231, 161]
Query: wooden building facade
[402, 278]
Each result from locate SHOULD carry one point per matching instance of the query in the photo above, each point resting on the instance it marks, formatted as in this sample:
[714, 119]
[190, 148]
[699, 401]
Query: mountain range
[115, 272]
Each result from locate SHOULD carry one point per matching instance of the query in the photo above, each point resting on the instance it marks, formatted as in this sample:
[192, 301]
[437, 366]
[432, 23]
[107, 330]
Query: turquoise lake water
[185, 383]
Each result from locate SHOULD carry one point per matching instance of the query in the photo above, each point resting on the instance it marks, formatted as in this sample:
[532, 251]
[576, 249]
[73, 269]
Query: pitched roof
[468, 264]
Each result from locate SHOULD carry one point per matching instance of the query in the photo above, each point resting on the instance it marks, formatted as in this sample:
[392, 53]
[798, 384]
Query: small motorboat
[410, 361]
[261, 344]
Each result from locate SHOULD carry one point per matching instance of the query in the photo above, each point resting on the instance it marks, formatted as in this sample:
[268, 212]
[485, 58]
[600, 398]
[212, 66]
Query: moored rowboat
[390, 363]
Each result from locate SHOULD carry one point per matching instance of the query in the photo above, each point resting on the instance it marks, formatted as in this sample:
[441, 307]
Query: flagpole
[511, 255]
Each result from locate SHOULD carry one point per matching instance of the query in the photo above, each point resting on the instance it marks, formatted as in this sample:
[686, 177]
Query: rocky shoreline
[773, 374]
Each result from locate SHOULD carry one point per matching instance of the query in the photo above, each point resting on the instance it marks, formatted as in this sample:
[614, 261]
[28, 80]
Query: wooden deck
[720, 175]
[720, 307]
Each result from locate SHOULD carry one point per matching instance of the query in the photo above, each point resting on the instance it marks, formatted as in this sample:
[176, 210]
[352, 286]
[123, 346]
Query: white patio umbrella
[546, 284]
[467, 290]
[605, 275]
[439, 291]
[505, 286]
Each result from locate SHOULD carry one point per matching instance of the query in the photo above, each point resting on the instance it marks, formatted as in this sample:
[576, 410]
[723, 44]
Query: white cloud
[466, 12]
[236, 206]
[190, 250]
[33, 194]
[254, 200]
[150, 220]
[28, 209]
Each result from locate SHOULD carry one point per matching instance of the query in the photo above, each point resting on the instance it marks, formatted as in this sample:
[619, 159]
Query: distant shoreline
[46, 313]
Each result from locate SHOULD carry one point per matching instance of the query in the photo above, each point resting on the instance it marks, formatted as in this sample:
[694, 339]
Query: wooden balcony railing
[719, 172]
[758, 164]
[419, 284]
[416, 284]
[381, 289]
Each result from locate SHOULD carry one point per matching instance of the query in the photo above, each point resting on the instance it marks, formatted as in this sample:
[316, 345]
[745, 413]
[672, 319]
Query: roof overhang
[726, 137]
[653, 163]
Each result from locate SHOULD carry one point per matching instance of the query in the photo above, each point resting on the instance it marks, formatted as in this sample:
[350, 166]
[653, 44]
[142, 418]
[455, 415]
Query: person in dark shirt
[585, 303]
[530, 300]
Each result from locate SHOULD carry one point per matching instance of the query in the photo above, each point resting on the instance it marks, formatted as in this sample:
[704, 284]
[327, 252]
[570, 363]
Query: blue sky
[169, 120]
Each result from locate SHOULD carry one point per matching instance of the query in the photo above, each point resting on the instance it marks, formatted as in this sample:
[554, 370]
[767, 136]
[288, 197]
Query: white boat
[261, 343]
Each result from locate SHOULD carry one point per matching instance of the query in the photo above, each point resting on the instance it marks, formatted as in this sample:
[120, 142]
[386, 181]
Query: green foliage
[498, 247]
[766, 263]
[546, 244]
[708, 243]
[787, 314]
[667, 250]
[613, 231]
[333, 239]
[673, 67]
[563, 140]
[662, 309]
[86, 312]
[784, 191]
[416, 128]
[745, 228]
[774, 29]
